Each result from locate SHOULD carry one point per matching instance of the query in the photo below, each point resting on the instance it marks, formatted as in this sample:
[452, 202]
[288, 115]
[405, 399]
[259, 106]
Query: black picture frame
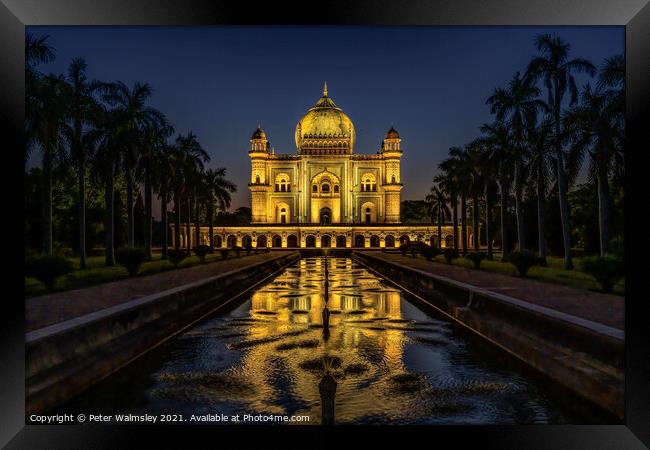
[633, 14]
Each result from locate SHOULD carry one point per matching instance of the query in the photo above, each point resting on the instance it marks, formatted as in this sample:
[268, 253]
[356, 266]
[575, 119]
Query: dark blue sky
[219, 82]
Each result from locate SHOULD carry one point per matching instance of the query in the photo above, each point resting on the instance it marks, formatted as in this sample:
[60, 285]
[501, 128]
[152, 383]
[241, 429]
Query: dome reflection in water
[354, 350]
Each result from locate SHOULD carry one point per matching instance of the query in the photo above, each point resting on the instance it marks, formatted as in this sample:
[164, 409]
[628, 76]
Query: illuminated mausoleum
[324, 194]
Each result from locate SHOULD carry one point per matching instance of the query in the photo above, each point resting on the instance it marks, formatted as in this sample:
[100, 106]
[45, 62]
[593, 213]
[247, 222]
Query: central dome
[325, 129]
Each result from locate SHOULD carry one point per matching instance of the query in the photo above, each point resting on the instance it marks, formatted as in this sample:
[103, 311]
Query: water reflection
[346, 348]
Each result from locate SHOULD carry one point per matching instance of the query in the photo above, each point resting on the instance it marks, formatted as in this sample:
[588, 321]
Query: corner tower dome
[325, 129]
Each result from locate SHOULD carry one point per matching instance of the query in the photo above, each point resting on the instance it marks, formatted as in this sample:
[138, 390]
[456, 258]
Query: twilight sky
[429, 82]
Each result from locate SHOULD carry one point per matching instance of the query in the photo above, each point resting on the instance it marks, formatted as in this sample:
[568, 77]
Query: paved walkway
[602, 308]
[53, 308]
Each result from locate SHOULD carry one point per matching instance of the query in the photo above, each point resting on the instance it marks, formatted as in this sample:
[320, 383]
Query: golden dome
[326, 127]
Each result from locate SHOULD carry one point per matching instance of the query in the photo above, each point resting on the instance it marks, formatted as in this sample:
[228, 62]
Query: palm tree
[217, 192]
[538, 160]
[594, 131]
[437, 207]
[162, 181]
[37, 51]
[462, 180]
[46, 124]
[499, 143]
[136, 117]
[191, 159]
[518, 105]
[82, 110]
[448, 179]
[555, 68]
[155, 142]
[474, 160]
[106, 162]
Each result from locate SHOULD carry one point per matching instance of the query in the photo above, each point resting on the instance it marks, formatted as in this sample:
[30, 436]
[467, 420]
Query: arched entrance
[325, 216]
[261, 241]
[449, 241]
[340, 241]
[326, 241]
[404, 239]
[276, 241]
[292, 241]
[359, 240]
[374, 240]
[216, 241]
[231, 241]
[390, 241]
[310, 241]
[434, 240]
[246, 241]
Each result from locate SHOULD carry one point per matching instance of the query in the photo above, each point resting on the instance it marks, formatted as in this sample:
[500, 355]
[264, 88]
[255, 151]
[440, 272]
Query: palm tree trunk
[47, 201]
[163, 224]
[488, 221]
[521, 233]
[188, 227]
[540, 216]
[82, 213]
[211, 229]
[129, 208]
[439, 228]
[562, 188]
[109, 199]
[197, 228]
[603, 210]
[177, 222]
[477, 241]
[454, 206]
[503, 193]
[147, 213]
[463, 219]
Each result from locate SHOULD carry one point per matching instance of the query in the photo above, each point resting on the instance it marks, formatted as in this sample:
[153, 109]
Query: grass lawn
[97, 273]
[553, 273]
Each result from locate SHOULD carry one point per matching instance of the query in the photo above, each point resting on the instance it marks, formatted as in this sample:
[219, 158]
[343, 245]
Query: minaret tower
[392, 184]
[259, 185]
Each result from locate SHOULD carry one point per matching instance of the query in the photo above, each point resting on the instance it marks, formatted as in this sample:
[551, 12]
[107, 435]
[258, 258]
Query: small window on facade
[257, 179]
[314, 188]
[325, 187]
[336, 188]
[392, 179]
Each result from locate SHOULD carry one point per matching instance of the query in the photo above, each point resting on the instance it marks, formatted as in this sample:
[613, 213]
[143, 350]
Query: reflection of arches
[282, 213]
[282, 183]
[449, 240]
[231, 241]
[216, 241]
[374, 240]
[276, 241]
[390, 241]
[310, 241]
[359, 240]
[404, 239]
[326, 241]
[246, 241]
[368, 213]
[368, 182]
[340, 241]
[292, 241]
[325, 216]
[261, 241]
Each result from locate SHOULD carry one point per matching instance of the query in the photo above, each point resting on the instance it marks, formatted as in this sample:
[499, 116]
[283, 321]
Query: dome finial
[325, 90]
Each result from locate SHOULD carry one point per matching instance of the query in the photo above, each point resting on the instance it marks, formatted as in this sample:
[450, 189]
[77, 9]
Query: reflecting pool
[329, 340]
